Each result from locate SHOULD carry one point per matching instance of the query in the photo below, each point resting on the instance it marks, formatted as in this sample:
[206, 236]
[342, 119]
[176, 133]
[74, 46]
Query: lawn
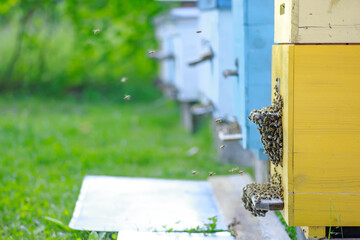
[49, 145]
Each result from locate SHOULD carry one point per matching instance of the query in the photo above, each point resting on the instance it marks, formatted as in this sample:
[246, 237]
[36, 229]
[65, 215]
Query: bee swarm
[254, 192]
[270, 128]
[269, 120]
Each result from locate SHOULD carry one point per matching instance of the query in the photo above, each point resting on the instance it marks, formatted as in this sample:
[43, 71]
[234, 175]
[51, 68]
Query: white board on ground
[172, 236]
[116, 204]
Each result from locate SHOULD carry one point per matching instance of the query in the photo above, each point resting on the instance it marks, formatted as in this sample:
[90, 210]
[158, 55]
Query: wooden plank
[282, 67]
[314, 232]
[321, 21]
[228, 192]
[327, 119]
[326, 134]
[285, 21]
[325, 209]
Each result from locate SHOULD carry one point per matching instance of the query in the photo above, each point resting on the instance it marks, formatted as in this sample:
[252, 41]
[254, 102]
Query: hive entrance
[269, 121]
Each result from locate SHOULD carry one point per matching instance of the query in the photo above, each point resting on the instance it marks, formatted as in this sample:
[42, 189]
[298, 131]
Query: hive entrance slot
[282, 9]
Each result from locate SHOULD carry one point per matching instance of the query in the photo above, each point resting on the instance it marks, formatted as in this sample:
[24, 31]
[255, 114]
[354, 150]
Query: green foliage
[51, 44]
[48, 145]
[206, 229]
[337, 231]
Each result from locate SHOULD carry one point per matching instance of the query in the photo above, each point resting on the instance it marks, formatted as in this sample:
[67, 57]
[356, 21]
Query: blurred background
[63, 113]
[49, 47]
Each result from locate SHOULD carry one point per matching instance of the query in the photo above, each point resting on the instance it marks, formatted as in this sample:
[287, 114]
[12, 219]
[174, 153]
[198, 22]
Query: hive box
[177, 32]
[216, 25]
[165, 30]
[320, 21]
[253, 38]
[320, 88]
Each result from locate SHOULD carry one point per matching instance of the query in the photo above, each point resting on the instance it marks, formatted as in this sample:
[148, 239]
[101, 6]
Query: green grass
[291, 231]
[49, 145]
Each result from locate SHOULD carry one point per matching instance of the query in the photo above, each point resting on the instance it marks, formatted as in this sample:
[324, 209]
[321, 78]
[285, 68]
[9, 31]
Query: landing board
[143, 205]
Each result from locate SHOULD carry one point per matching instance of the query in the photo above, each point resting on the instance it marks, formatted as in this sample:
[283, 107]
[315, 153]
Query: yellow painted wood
[327, 119]
[325, 209]
[282, 67]
[321, 90]
[320, 21]
[314, 232]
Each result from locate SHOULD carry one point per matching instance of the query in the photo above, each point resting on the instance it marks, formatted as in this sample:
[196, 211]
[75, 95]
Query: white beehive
[176, 32]
[216, 36]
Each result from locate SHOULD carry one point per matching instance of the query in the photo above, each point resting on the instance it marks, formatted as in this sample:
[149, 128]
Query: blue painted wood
[253, 22]
[211, 4]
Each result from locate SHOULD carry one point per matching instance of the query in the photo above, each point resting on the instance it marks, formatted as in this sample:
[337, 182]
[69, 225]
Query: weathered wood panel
[320, 21]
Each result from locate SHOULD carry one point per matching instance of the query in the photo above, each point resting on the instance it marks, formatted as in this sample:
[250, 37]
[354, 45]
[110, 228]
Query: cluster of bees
[269, 120]
[254, 192]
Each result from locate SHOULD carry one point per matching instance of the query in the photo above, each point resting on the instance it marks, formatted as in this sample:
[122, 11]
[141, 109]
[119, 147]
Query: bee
[96, 31]
[222, 146]
[127, 97]
[123, 79]
[151, 52]
[199, 31]
[194, 172]
[241, 171]
[233, 170]
[211, 174]
[218, 120]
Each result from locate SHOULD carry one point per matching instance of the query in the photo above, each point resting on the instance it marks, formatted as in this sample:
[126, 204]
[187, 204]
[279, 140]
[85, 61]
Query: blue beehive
[215, 24]
[253, 38]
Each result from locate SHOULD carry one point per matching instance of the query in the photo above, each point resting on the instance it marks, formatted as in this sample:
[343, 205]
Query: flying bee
[124, 79]
[211, 174]
[194, 172]
[222, 146]
[218, 120]
[233, 170]
[151, 52]
[96, 31]
[199, 31]
[127, 97]
[241, 171]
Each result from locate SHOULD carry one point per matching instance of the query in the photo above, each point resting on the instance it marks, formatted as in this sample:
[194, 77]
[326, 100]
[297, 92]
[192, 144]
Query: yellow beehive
[317, 21]
[320, 87]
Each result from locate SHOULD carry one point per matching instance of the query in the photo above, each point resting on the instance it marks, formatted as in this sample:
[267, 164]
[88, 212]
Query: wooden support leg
[187, 118]
[314, 232]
